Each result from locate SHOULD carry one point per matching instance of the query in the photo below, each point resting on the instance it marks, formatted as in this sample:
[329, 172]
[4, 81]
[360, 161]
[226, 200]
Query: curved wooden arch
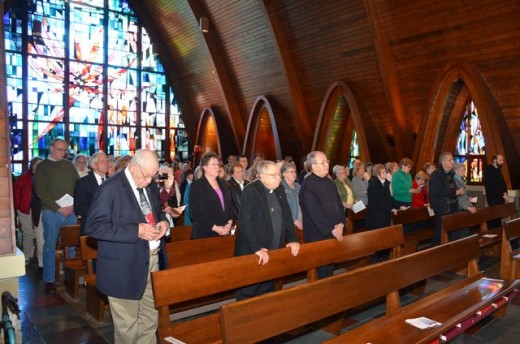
[454, 86]
[207, 133]
[352, 120]
[261, 132]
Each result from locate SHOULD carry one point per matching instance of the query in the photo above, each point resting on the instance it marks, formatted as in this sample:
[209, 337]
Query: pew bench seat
[510, 256]
[457, 308]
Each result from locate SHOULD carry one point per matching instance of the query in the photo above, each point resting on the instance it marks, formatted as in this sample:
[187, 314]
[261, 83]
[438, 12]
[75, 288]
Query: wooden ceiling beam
[403, 137]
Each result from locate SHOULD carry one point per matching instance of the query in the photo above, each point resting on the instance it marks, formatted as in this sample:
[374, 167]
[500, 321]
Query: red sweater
[22, 192]
[421, 198]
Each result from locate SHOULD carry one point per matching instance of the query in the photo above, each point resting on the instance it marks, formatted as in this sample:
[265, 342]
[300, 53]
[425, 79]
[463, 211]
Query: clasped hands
[222, 230]
[337, 232]
[264, 255]
[152, 232]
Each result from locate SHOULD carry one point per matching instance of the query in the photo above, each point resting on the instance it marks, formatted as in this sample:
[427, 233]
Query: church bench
[510, 257]
[187, 252]
[489, 238]
[472, 298]
[354, 221]
[95, 300]
[414, 216]
[179, 233]
[194, 282]
[73, 267]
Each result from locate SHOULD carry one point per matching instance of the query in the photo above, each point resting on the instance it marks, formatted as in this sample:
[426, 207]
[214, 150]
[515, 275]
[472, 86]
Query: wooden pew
[73, 268]
[415, 237]
[510, 257]
[193, 282]
[352, 218]
[489, 239]
[187, 252]
[180, 233]
[266, 316]
[96, 301]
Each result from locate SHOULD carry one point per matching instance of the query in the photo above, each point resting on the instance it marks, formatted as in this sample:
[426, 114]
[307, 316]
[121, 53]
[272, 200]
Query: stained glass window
[88, 73]
[354, 149]
[471, 148]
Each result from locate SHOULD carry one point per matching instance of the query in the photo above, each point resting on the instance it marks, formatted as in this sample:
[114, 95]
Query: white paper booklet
[65, 201]
[358, 206]
[423, 322]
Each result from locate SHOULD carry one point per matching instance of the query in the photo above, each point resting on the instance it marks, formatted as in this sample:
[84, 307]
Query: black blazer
[380, 204]
[123, 258]
[205, 208]
[236, 193]
[256, 227]
[84, 192]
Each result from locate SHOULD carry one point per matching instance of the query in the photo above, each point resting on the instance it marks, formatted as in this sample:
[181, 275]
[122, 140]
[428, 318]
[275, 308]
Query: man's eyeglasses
[154, 176]
[325, 162]
[59, 149]
[274, 175]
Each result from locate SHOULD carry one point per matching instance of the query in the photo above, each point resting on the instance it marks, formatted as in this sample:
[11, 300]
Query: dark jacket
[442, 198]
[256, 229]
[380, 204]
[113, 219]
[236, 192]
[205, 208]
[84, 192]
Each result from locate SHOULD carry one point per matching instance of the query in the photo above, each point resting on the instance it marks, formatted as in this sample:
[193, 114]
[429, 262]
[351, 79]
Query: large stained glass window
[354, 149]
[471, 148]
[86, 70]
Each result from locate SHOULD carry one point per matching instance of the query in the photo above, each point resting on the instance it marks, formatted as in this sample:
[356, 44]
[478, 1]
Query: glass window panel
[354, 149]
[121, 140]
[96, 3]
[38, 142]
[13, 30]
[45, 92]
[84, 138]
[122, 40]
[86, 33]
[154, 139]
[46, 28]
[119, 6]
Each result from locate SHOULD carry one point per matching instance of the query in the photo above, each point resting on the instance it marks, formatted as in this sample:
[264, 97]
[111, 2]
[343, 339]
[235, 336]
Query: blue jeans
[52, 221]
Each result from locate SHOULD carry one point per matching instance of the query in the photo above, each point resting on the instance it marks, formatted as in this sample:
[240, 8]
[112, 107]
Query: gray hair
[458, 165]
[262, 165]
[94, 158]
[337, 168]
[142, 156]
[286, 166]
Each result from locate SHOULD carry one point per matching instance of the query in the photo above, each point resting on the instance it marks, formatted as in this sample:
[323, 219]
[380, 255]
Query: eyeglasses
[325, 162]
[290, 171]
[59, 149]
[274, 175]
[144, 175]
[214, 164]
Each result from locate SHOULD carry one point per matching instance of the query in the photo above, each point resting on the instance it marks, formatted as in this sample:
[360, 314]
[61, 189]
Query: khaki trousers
[136, 321]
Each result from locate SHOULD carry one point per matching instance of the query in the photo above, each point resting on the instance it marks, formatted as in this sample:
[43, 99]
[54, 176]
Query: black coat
[205, 208]
[236, 193]
[256, 228]
[380, 204]
[84, 192]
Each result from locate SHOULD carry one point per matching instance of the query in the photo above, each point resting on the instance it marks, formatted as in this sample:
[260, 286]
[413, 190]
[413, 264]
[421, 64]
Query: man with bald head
[125, 216]
[323, 214]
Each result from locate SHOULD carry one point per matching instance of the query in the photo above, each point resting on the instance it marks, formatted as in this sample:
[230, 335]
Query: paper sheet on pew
[423, 323]
[358, 206]
[173, 340]
[489, 235]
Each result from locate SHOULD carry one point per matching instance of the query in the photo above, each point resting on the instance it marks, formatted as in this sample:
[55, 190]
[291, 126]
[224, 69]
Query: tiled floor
[56, 318]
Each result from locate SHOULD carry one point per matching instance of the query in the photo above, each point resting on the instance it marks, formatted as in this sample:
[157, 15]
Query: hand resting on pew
[264, 255]
[337, 232]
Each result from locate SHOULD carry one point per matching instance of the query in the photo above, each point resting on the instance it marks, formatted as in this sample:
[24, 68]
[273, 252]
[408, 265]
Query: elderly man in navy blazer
[125, 216]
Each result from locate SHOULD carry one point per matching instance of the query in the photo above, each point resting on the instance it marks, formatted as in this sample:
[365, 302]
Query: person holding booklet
[54, 180]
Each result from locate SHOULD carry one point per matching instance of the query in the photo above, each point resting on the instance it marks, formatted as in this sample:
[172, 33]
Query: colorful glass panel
[354, 149]
[471, 147]
[110, 93]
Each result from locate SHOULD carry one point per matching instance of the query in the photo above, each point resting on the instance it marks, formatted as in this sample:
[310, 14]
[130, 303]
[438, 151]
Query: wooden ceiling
[391, 53]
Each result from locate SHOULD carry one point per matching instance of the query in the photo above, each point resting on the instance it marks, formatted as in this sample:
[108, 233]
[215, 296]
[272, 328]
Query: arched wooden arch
[453, 88]
[207, 133]
[262, 133]
[339, 116]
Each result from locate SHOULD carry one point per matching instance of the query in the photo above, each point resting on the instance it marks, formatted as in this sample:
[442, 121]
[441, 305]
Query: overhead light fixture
[204, 24]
